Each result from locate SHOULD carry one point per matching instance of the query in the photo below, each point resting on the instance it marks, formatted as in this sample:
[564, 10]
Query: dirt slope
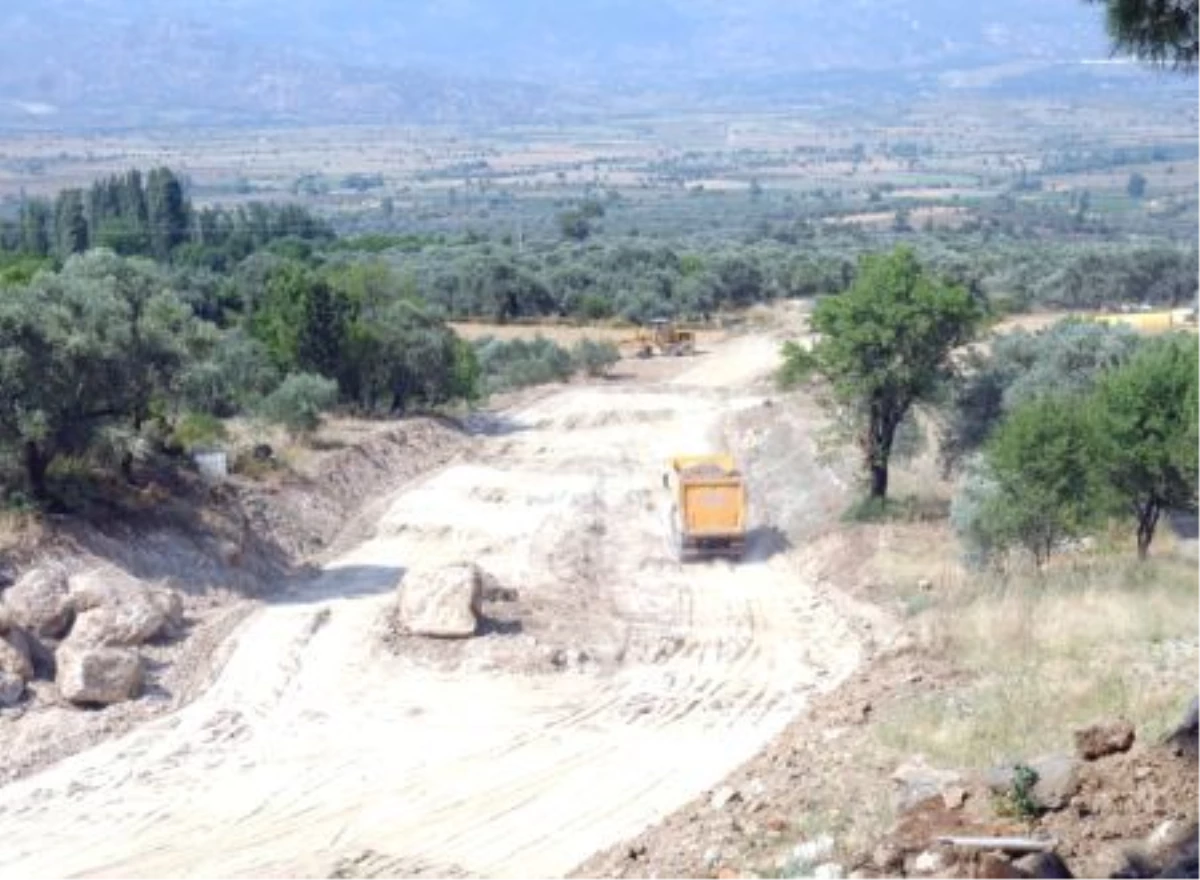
[319, 751]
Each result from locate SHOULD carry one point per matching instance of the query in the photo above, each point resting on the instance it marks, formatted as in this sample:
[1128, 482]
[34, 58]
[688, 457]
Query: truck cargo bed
[709, 515]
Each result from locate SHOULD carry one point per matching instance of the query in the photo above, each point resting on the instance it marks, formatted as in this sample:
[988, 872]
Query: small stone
[828, 871]
[711, 856]
[811, 851]
[924, 585]
[727, 874]
[916, 781]
[928, 862]
[1101, 740]
[887, 858]
[777, 823]
[954, 797]
[1058, 781]
[724, 795]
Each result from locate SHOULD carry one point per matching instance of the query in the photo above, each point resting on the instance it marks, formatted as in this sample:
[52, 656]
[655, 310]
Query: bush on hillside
[595, 358]
[519, 363]
[298, 403]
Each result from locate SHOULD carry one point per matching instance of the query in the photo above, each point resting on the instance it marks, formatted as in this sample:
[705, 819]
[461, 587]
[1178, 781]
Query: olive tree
[1042, 479]
[298, 403]
[883, 346]
[1068, 356]
[1150, 422]
[84, 355]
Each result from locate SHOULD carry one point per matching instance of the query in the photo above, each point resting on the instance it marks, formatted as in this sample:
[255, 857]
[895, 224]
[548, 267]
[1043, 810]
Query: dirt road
[316, 750]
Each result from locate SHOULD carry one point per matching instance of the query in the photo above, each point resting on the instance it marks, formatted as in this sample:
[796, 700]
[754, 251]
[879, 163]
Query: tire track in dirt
[315, 753]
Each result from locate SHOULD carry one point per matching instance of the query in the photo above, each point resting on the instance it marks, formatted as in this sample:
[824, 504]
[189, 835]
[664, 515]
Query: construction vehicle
[708, 511]
[663, 336]
[1150, 322]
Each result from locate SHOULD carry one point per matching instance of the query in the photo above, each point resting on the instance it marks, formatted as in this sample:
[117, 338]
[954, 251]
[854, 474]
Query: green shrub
[198, 429]
[1018, 801]
[1042, 479]
[595, 358]
[297, 404]
[519, 363]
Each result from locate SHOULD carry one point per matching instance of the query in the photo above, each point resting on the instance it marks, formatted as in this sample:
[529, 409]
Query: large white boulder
[443, 602]
[90, 676]
[40, 601]
[115, 609]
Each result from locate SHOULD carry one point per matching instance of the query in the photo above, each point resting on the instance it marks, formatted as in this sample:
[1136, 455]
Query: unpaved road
[316, 750]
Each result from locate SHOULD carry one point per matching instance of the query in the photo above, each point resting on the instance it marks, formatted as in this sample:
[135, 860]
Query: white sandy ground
[315, 745]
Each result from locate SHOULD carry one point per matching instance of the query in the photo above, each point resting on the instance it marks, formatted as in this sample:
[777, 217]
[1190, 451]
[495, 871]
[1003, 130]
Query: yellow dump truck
[708, 512]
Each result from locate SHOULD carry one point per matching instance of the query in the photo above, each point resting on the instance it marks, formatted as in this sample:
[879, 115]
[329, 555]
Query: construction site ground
[610, 686]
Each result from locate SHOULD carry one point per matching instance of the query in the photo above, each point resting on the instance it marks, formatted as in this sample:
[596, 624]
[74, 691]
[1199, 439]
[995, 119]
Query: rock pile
[82, 630]
[1108, 810]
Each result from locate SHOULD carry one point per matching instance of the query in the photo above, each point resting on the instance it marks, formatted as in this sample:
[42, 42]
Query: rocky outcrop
[442, 603]
[98, 676]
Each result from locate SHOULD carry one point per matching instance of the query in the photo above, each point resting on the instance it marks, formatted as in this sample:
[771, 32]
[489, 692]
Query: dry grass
[1099, 637]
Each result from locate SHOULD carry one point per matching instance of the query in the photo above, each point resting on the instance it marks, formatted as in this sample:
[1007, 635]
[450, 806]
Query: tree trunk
[36, 463]
[879, 480]
[880, 434]
[1148, 514]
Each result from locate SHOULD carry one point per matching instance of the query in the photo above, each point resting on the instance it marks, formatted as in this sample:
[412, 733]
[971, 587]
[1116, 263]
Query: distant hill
[116, 62]
[67, 71]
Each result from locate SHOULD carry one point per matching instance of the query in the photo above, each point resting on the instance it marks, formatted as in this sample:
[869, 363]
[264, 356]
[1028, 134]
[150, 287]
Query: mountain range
[135, 62]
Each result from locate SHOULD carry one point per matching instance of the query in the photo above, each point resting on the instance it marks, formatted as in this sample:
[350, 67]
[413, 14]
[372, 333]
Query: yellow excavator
[662, 336]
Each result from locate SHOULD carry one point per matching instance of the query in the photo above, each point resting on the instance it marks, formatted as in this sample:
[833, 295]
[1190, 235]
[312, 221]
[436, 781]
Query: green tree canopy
[883, 346]
[1042, 479]
[1066, 357]
[83, 351]
[1150, 420]
[299, 402]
